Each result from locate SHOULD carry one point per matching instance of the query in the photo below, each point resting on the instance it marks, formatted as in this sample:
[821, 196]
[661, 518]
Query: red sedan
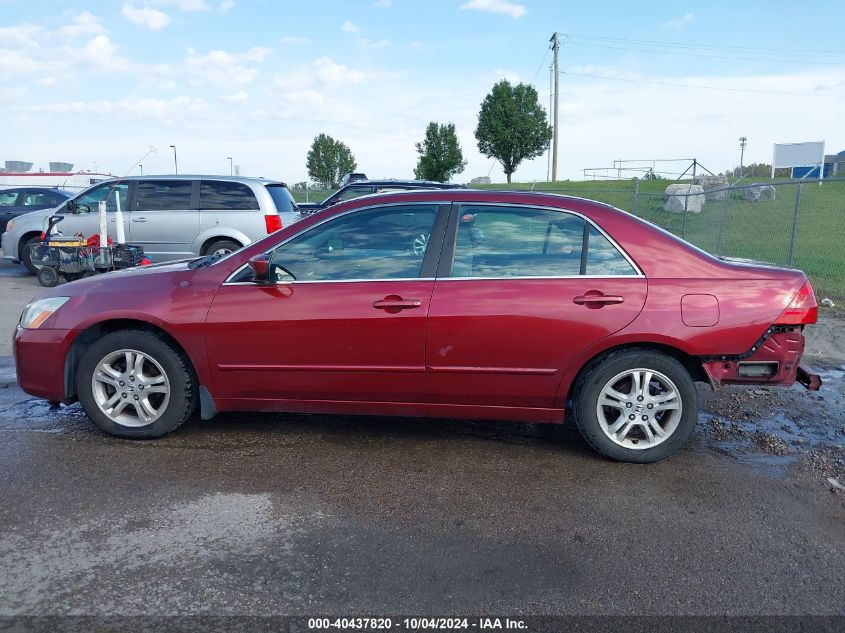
[453, 303]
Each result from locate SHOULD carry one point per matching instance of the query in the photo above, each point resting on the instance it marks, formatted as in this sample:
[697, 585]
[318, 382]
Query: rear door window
[8, 198]
[226, 196]
[163, 195]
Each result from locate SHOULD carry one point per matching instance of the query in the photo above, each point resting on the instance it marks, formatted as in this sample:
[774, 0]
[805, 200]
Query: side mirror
[260, 265]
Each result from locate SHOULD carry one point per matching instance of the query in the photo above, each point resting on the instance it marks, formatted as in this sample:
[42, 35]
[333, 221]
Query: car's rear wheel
[636, 406]
[135, 384]
[222, 247]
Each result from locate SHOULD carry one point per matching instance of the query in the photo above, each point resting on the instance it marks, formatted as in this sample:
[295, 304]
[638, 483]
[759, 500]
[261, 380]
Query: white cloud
[502, 73]
[224, 68]
[348, 27]
[227, 5]
[369, 45]
[382, 4]
[679, 22]
[186, 6]
[294, 40]
[496, 6]
[235, 97]
[149, 18]
[20, 36]
[85, 23]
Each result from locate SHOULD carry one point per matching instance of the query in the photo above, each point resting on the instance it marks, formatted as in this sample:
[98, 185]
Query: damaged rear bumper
[810, 380]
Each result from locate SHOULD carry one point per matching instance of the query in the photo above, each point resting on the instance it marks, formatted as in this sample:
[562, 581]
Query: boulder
[480, 180]
[715, 187]
[684, 197]
[759, 193]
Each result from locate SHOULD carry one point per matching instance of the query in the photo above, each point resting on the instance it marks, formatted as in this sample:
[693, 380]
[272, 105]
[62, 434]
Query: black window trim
[444, 269]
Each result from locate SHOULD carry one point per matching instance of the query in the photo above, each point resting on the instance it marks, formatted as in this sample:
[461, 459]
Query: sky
[99, 83]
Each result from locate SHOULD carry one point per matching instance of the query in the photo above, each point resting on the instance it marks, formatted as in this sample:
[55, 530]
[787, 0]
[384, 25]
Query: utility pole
[175, 164]
[555, 48]
[742, 142]
[231, 169]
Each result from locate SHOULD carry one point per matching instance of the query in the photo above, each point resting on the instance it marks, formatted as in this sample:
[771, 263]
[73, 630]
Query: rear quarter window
[603, 258]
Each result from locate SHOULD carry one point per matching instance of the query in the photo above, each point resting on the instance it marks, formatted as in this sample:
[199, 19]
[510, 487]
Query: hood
[128, 279]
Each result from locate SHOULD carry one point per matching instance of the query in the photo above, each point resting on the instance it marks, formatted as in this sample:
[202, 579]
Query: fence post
[795, 212]
[636, 196]
[723, 220]
[684, 222]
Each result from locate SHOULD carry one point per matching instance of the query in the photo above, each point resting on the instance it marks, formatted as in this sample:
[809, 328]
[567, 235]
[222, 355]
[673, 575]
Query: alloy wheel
[131, 388]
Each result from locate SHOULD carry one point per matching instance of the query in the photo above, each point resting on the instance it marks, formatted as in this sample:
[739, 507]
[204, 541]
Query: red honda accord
[450, 303]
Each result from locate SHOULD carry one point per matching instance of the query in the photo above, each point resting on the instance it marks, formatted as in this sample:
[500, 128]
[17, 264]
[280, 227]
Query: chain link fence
[799, 224]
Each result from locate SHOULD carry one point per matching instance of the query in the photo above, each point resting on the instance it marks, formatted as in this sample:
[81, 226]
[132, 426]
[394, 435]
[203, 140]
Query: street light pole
[231, 169]
[742, 142]
[142, 168]
[175, 164]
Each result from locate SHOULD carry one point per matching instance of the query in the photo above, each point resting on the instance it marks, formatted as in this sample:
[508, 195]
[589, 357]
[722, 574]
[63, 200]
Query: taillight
[802, 310]
[273, 223]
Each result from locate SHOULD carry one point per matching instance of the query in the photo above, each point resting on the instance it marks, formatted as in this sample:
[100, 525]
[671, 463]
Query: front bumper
[40, 362]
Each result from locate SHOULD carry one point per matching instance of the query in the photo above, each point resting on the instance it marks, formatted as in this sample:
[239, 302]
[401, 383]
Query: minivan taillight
[802, 310]
[273, 223]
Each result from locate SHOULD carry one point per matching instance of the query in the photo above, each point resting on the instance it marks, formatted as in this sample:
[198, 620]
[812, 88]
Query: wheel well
[97, 331]
[26, 237]
[211, 240]
[690, 363]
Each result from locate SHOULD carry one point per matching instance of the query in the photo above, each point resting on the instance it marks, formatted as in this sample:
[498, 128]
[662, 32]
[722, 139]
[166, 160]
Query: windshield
[281, 198]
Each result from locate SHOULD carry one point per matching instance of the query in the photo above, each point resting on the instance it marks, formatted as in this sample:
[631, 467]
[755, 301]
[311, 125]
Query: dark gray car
[19, 200]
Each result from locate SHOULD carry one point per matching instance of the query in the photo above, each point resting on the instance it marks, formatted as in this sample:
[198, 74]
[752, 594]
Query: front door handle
[139, 219]
[395, 303]
[587, 299]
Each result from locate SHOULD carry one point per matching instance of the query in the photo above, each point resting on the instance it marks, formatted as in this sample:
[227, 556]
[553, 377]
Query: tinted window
[386, 243]
[8, 198]
[350, 193]
[231, 196]
[604, 259]
[517, 242]
[89, 202]
[41, 198]
[282, 198]
[163, 195]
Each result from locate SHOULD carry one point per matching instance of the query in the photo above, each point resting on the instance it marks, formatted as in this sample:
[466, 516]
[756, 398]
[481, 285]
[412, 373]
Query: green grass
[755, 230]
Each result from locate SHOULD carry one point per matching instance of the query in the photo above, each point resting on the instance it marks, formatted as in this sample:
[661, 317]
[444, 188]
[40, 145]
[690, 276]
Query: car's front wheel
[135, 384]
[636, 406]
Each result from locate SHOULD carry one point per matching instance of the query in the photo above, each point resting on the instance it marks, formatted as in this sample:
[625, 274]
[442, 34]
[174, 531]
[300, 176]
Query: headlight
[35, 313]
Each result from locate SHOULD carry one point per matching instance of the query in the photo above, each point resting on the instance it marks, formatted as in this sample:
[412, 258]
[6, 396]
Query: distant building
[834, 165]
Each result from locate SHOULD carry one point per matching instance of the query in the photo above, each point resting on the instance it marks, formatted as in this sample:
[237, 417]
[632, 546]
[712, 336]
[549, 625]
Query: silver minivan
[172, 217]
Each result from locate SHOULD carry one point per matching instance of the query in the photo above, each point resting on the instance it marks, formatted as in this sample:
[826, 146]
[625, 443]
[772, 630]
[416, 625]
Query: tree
[512, 125]
[440, 154]
[328, 161]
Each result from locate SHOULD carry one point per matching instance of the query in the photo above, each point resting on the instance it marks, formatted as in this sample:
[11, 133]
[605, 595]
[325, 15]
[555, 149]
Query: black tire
[592, 382]
[26, 255]
[221, 245]
[176, 366]
[48, 276]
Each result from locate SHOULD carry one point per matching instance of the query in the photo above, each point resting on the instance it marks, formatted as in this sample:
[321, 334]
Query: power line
[716, 47]
[548, 48]
[730, 57]
[680, 85]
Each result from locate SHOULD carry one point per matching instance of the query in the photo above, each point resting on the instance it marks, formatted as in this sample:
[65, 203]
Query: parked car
[356, 185]
[172, 217]
[566, 310]
[19, 200]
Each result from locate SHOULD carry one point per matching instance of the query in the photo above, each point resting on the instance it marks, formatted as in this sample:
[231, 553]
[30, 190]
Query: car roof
[386, 182]
[66, 192]
[241, 179]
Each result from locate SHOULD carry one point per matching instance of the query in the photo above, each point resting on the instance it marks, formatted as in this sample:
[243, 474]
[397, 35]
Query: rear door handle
[603, 299]
[139, 219]
[395, 303]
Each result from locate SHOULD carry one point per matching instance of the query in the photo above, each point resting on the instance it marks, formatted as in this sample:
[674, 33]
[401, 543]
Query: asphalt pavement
[295, 514]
